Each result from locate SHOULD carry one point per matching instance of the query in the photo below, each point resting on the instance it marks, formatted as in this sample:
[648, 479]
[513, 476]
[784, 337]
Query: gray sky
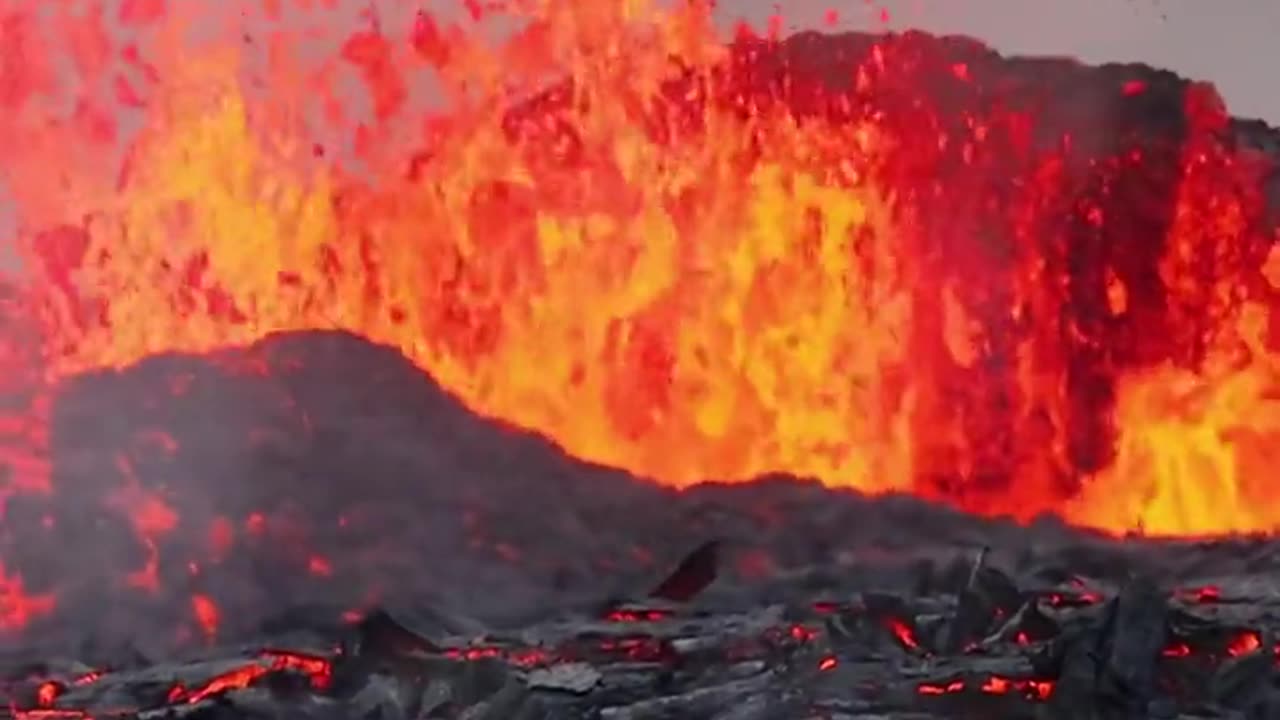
[1233, 43]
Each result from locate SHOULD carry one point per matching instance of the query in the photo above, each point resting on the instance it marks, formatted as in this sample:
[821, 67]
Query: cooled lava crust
[316, 473]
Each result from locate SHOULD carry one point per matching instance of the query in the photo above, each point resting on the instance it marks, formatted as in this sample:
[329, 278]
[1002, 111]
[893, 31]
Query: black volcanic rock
[321, 445]
[492, 556]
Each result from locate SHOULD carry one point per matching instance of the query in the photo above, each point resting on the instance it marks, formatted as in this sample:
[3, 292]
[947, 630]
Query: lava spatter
[881, 264]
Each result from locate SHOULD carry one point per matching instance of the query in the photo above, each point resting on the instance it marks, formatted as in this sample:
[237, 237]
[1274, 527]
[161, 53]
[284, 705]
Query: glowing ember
[994, 685]
[663, 264]
[50, 714]
[17, 607]
[903, 633]
[47, 694]
[206, 614]
[1207, 594]
[639, 615]
[1244, 643]
[316, 669]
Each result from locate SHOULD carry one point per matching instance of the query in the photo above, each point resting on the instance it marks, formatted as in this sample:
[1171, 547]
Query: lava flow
[879, 266]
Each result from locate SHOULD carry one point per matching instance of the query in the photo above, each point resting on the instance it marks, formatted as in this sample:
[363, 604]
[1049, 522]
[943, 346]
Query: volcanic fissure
[604, 368]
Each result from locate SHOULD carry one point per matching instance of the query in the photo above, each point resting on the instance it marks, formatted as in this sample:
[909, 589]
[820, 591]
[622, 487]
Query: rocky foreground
[968, 642]
[397, 557]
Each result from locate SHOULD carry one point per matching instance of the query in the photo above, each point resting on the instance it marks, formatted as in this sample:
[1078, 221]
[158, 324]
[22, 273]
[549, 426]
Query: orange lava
[707, 286]
[994, 685]
[316, 669]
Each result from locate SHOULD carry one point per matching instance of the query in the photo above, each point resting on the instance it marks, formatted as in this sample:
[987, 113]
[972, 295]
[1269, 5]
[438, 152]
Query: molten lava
[687, 258]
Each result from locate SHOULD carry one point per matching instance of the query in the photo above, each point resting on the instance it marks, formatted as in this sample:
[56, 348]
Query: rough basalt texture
[498, 550]
[969, 641]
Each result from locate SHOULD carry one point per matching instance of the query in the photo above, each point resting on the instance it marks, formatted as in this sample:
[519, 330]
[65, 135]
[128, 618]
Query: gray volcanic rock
[408, 496]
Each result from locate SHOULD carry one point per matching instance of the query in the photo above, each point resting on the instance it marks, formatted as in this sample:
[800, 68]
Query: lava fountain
[892, 269]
